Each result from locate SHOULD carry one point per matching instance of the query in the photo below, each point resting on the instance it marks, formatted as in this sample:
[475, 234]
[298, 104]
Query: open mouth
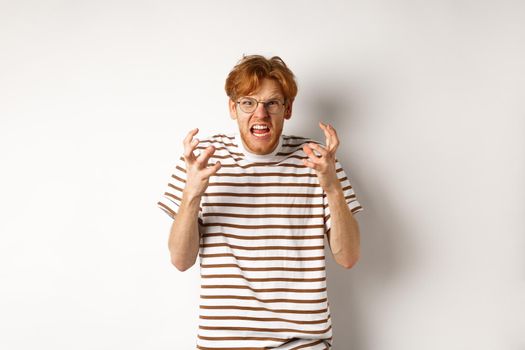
[260, 130]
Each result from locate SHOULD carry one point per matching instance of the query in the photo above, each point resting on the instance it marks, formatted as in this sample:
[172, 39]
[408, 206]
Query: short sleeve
[171, 198]
[348, 192]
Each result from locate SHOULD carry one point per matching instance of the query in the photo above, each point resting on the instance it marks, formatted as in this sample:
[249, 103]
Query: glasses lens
[248, 104]
[274, 106]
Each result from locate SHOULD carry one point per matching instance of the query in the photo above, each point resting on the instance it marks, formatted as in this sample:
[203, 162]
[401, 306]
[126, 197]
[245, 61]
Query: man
[255, 206]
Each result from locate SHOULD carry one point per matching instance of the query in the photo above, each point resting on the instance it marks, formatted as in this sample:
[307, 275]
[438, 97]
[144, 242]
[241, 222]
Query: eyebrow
[274, 95]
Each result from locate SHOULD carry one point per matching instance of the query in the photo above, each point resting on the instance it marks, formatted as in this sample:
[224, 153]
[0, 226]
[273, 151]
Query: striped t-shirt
[262, 221]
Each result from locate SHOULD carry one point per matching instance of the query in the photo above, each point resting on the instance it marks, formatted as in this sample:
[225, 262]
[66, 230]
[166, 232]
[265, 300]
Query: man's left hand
[324, 165]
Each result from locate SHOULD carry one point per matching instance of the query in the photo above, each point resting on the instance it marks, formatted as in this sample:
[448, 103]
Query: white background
[427, 98]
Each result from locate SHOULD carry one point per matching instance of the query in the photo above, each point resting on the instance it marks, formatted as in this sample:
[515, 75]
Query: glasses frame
[263, 102]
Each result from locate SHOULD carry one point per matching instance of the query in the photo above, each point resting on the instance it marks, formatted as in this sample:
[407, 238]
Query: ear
[232, 106]
[288, 111]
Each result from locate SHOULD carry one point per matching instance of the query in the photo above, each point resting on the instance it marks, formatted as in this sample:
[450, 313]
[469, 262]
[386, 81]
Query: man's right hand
[197, 170]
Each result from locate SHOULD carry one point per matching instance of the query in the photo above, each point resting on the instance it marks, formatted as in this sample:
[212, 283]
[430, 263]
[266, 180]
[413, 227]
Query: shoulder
[296, 143]
[219, 139]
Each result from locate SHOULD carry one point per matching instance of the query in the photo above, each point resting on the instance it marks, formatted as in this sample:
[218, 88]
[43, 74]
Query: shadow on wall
[384, 246]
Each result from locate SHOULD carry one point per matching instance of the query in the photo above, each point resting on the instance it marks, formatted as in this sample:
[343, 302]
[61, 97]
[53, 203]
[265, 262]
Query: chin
[260, 145]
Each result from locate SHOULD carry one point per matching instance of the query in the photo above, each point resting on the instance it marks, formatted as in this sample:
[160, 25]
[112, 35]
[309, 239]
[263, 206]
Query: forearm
[344, 232]
[184, 237]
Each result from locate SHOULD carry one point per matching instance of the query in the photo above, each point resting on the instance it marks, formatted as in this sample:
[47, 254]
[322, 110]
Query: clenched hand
[197, 171]
[324, 165]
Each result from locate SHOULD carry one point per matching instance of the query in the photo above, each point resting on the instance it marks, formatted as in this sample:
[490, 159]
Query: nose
[260, 111]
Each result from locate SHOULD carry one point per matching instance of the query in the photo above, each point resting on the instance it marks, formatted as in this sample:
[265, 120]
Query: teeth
[260, 127]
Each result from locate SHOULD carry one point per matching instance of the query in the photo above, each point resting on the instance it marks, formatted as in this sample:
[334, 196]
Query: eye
[273, 103]
[247, 103]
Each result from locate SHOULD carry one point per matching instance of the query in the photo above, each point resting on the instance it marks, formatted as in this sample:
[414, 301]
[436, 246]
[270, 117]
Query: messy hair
[248, 73]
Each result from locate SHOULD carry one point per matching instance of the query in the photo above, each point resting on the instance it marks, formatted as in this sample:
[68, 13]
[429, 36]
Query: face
[260, 142]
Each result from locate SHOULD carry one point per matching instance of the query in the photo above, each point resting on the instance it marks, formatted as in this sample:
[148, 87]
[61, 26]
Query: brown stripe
[261, 184]
[232, 194]
[217, 148]
[221, 234]
[224, 135]
[302, 143]
[266, 205]
[211, 140]
[289, 155]
[310, 344]
[257, 165]
[257, 338]
[276, 268]
[356, 209]
[262, 319]
[239, 338]
[290, 137]
[258, 227]
[230, 348]
[266, 174]
[166, 208]
[271, 258]
[251, 308]
[260, 164]
[175, 187]
[264, 290]
[265, 164]
[249, 297]
[255, 216]
[178, 178]
[210, 245]
[226, 156]
[167, 194]
[269, 330]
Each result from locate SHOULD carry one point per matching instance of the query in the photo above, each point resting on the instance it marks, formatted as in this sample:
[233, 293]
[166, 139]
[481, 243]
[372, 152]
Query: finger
[191, 133]
[189, 149]
[212, 170]
[311, 156]
[309, 164]
[202, 159]
[190, 144]
[326, 134]
[319, 149]
[335, 138]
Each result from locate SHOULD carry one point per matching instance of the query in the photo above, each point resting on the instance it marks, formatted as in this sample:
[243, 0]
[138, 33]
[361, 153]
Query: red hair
[249, 71]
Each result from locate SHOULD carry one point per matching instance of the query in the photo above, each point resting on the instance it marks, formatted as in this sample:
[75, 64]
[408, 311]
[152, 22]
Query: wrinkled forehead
[265, 88]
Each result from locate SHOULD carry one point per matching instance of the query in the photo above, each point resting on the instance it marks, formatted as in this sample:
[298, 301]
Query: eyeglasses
[249, 105]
